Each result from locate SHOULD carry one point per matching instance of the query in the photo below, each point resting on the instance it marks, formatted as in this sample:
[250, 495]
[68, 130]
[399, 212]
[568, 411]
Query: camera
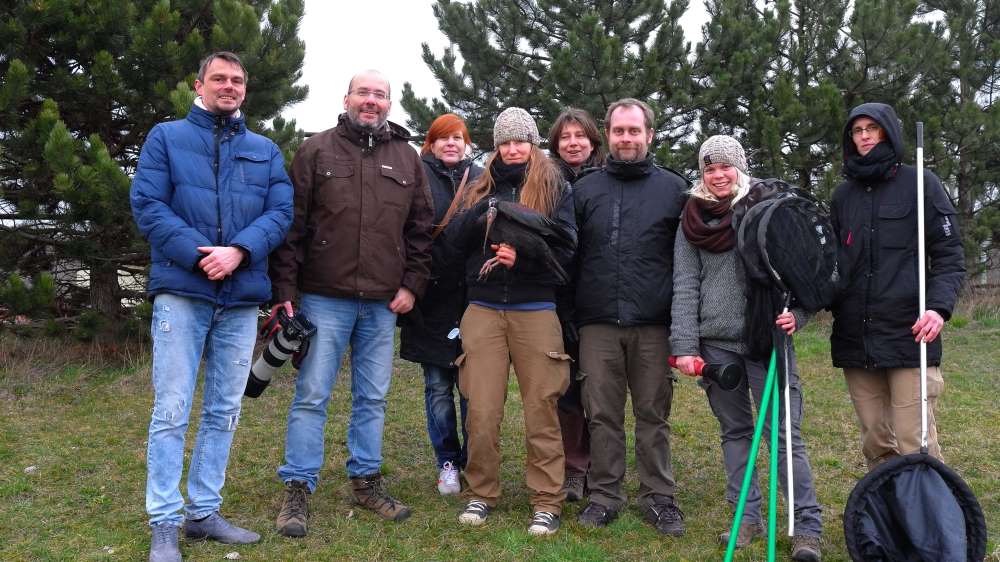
[292, 336]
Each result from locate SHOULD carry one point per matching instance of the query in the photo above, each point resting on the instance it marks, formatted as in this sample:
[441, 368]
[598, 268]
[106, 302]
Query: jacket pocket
[254, 168]
[397, 186]
[895, 228]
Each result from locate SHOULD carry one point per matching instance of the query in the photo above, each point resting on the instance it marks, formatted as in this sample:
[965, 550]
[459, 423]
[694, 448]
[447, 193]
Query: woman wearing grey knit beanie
[708, 327]
[511, 317]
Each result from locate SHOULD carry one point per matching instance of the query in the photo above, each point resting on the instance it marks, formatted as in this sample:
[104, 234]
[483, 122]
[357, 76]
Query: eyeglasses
[871, 129]
[365, 93]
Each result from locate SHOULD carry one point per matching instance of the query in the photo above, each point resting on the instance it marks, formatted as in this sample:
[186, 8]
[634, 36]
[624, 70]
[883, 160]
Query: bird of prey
[537, 239]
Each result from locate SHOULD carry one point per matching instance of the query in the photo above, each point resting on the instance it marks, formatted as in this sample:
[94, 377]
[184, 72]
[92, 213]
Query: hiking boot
[805, 549]
[163, 547]
[448, 483]
[667, 518]
[575, 487]
[747, 533]
[216, 528]
[293, 519]
[596, 515]
[543, 523]
[474, 514]
[370, 493]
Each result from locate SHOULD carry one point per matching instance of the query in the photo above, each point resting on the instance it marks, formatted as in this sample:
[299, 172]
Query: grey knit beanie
[515, 124]
[722, 148]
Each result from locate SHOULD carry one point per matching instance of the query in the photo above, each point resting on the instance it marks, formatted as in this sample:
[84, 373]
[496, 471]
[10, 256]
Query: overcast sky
[345, 37]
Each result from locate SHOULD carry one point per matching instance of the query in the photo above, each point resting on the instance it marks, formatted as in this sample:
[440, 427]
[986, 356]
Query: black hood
[885, 116]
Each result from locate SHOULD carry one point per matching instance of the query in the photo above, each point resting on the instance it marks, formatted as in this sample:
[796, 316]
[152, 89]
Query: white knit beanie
[722, 149]
[515, 124]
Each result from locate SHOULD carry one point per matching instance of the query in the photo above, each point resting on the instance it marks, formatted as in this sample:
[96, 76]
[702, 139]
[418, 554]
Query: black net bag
[914, 508]
[789, 251]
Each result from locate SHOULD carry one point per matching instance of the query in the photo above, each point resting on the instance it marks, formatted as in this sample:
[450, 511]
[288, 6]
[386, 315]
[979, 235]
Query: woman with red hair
[427, 332]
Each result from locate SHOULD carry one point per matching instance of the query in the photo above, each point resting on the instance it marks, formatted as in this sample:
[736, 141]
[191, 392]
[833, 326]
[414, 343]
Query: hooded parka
[875, 220]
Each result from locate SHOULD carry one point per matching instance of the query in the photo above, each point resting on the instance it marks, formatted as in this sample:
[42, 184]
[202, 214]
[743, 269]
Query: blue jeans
[439, 403]
[182, 330]
[369, 327]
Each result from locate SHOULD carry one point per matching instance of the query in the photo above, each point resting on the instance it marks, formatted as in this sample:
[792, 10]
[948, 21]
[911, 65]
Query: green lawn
[82, 425]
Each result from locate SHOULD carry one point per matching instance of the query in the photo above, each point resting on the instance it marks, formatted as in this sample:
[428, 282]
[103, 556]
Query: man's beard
[355, 116]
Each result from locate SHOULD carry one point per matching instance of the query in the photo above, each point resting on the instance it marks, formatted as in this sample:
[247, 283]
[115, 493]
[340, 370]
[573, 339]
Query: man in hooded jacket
[876, 329]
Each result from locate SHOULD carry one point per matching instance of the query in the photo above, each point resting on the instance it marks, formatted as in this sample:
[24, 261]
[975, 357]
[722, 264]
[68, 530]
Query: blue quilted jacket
[207, 181]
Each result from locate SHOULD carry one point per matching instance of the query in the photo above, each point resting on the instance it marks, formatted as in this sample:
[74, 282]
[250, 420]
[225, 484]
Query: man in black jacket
[876, 329]
[627, 213]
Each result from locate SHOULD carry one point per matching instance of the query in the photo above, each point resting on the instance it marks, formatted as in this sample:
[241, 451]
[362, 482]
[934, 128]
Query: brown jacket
[363, 216]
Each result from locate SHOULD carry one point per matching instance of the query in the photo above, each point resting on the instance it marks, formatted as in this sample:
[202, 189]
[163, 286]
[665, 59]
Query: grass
[73, 443]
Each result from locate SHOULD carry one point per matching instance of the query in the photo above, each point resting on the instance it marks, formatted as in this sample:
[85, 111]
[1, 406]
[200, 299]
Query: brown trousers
[532, 340]
[887, 402]
[614, 361]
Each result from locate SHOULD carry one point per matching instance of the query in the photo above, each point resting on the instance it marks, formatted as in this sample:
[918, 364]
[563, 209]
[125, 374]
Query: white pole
[790, 496]
[921, 283]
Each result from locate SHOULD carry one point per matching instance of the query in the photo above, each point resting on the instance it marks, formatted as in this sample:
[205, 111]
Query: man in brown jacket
[357, 254]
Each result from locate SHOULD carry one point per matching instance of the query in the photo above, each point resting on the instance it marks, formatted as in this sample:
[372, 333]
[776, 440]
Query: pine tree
[83, 83]
[546, 55]
[958, 99]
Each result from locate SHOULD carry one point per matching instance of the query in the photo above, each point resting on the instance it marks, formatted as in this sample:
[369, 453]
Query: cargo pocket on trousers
[562, 358]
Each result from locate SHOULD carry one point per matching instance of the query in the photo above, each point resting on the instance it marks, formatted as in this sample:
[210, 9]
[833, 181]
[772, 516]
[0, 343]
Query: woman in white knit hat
[708, 325]
[511, 317]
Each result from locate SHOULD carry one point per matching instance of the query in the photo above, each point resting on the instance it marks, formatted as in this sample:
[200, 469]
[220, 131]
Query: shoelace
[296, 498]
[477, 507]
[450, 473]
[543, 518]
[163, 533]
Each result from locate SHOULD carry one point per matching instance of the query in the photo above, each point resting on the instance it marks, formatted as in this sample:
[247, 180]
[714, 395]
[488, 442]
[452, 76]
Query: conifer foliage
[83, 82]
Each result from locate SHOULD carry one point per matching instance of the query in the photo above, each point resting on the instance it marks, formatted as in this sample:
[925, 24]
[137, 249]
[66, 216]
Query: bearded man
[357, 254]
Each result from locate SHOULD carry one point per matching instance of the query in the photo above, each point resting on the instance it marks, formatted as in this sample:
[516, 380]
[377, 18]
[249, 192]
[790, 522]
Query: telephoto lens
[292, 336]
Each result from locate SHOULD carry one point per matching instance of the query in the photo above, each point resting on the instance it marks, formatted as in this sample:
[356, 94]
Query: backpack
[789, 254]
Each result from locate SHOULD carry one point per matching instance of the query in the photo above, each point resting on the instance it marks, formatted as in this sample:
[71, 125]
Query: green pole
[758, 430]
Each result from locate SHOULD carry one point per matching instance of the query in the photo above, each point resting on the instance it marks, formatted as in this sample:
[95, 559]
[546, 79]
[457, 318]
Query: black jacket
[424, 330]
[627, 214]
[521, 284]
[875, 220]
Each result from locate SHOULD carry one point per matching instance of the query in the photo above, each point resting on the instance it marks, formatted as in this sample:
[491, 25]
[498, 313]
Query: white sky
[341, 40]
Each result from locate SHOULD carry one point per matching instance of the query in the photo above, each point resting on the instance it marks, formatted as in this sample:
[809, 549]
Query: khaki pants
[614, 361]
[888, 405]
[532, 340]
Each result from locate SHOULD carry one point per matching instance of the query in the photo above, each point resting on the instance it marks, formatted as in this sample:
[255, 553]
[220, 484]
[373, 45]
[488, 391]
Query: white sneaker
[448, 483]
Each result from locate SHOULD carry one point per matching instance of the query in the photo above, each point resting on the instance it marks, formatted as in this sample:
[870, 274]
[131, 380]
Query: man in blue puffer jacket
[213, 200]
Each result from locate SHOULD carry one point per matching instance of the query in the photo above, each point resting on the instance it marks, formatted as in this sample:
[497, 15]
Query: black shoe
[543, 523]
[666, 518]
[596, 515]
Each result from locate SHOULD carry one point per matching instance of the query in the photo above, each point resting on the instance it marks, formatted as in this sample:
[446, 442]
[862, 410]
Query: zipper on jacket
[218, 132]
[866, 333]
[616, 224]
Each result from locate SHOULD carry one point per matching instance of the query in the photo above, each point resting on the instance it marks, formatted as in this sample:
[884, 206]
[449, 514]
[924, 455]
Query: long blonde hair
[541, 189]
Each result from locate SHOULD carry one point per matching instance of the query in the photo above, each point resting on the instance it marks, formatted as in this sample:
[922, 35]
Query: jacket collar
[627, 170]
[208, 120]
[368, 139]
[440, 169]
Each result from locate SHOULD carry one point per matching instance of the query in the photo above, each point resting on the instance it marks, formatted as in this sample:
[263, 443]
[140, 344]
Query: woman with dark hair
[574, 144]
[426, 332]
[511, 318]
[707, 323]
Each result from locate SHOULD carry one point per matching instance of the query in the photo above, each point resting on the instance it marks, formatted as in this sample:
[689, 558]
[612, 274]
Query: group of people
[584, 269]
